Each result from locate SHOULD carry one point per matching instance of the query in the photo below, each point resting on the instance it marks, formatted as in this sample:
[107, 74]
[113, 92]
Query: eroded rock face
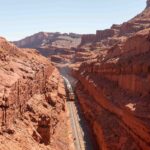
[135, 45]
[88, 38]
[114, 94]
[18, 73]
[139, 22]
[113, 88]
[43, 130]
[26, 115]
[52, 44]
[103, 34]
[53, 40]
[100, 35]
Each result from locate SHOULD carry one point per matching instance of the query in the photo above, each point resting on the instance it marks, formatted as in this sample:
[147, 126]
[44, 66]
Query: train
[71, 96]
[69, 90]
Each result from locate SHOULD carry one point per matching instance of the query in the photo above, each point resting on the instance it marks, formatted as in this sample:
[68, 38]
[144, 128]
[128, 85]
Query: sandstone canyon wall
[115, 95]
[140, 22]
[113, 88]
[32, 101]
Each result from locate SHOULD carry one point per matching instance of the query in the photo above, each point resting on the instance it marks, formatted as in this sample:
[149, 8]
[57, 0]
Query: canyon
[87, 92]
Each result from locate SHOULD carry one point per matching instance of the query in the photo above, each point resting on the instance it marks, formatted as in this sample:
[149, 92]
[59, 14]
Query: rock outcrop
[88, 38]
[103, 34]
[117, 87]
[140, 22]
[50, 40]
[148, 4]
[113, 88]
[32, 101]
[52, 44]
[19, 71]
[100, 35]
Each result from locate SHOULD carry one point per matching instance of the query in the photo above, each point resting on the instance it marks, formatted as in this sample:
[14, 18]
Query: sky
[21, 18]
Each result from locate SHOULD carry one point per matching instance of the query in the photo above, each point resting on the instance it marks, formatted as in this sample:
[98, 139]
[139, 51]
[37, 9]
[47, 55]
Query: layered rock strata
[115, 95]
[32, 101]
[139, 22]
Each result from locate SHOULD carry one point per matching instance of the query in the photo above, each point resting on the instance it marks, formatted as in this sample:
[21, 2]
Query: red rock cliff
[114, 94]
[139, 22]
[32, 101]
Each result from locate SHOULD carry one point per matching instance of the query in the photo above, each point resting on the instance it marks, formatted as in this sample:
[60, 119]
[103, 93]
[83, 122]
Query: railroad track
[77, 136]
[74, 120]
[81, 135]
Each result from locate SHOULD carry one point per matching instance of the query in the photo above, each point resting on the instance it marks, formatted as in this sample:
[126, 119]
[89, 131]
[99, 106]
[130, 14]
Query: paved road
[82, 137]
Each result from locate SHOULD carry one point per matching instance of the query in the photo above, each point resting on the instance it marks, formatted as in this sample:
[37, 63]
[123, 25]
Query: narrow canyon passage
[76, 91]
[83, 139]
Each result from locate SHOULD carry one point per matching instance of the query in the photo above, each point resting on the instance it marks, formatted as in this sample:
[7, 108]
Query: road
[81, 132]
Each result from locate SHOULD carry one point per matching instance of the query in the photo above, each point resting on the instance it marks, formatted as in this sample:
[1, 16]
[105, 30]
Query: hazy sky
[20, 18]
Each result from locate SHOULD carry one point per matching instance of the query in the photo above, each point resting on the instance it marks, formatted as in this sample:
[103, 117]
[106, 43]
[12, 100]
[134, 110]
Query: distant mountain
[50, 40]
